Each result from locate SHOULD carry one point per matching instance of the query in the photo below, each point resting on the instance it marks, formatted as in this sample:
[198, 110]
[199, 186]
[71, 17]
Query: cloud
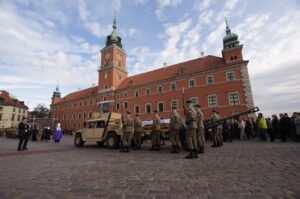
[95, 28]
[202, 5]
[162, 4]
[140, 2]
[33, 55]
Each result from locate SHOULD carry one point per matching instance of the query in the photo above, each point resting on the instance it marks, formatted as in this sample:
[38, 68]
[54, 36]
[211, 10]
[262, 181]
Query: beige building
[11, 110]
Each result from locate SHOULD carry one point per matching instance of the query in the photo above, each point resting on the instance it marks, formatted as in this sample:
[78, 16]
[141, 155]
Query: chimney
[202, 54]
[165, 64]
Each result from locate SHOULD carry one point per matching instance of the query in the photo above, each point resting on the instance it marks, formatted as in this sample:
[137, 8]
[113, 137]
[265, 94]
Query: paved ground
[245, 169]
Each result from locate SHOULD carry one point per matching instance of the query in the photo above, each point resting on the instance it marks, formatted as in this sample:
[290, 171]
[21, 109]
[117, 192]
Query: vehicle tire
[78, 140]
[182, 137]
[100, 143]
[112, 140]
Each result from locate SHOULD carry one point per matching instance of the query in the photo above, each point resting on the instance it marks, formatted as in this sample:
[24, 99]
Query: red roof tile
[78, 95]
[190, 67]
[7, 100]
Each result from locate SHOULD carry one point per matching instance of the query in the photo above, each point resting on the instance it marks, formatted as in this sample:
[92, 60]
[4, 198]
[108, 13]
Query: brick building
[220, 83]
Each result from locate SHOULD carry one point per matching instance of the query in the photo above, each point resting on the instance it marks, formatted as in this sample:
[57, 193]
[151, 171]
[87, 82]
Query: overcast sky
[48, 42]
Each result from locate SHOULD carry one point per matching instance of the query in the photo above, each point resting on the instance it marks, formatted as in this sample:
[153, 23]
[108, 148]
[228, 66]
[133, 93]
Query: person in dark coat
[23, 134]
[284, 125]
[275, 128]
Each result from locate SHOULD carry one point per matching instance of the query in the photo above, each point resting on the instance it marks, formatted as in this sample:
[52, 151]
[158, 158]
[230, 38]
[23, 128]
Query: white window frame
[213, 95]
[192, 80]
[158, 89]
[213, 80]
[175, 100]
[230, 72]
[148, 90]
[157, 104]
[135, 106]
[126, 94]
[136, 92]
[173, 83]
[117, 105]
[194, 99]
[146, 107]
[238, 97]
[127, 104]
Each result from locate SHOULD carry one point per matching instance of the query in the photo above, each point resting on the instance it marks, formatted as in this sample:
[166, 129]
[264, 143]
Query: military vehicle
[102, 128]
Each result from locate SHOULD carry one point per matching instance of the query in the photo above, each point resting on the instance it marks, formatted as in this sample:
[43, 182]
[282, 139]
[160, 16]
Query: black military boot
[214, 145]
[122, 150]
[157, 147]
[202, 149]
[139, 147]
[152, 148]
[176, 149]
[195, 153]
[190, 155]
[127, 149]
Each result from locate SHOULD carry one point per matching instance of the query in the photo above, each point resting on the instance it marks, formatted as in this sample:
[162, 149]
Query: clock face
[107, 55]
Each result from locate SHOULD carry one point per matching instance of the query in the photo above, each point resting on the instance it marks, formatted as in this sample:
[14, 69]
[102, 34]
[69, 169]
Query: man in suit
[23, 134]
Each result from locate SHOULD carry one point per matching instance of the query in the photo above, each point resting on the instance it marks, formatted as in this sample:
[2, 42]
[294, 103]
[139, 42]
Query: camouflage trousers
[191, 139]
[155, 137]
[200, 137]
[138, 138]
[174, 137]
[126, 139]
[216, 135]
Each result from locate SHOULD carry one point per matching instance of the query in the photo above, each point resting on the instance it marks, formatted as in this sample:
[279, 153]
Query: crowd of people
[28, 130]
[241, 128]
[273, 128]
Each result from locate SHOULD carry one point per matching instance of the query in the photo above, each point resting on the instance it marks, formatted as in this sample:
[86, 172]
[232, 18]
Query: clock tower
[112, 70]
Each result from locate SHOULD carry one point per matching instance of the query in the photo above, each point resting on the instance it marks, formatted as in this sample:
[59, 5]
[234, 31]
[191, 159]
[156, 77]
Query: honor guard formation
[192, 122]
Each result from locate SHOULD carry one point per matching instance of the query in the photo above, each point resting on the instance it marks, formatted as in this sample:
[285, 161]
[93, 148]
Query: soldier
[174, 128]
[216, 129]
[191, 122]
[137, 132]
[155, 135]
[200, 131]
[220, 131]
[127, 135]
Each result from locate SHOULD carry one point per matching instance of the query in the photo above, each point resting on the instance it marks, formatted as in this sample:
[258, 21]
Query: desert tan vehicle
[103, 128]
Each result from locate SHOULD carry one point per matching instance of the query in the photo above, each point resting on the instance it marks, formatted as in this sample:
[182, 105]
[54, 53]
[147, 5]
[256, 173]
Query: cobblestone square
[241, 169]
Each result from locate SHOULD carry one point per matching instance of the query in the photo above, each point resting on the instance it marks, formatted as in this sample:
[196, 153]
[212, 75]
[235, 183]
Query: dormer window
[131, 83]
[181, 71]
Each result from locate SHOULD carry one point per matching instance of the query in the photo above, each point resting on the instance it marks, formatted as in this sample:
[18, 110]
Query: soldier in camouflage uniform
[155, 135]
[191, 122]
[137, 132]
[200, 130]
[215, 116]
[127, 135]
[174, 128]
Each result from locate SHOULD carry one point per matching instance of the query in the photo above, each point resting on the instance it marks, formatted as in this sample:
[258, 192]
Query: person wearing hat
[174, 129]
[137, 132]
[155, 134]
[127, 135]
[23, 134]
[191, 123]
[200, 129]
[215, 117]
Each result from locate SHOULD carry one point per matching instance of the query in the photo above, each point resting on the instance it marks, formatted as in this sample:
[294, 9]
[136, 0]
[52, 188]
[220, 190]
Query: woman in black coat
[275, 127]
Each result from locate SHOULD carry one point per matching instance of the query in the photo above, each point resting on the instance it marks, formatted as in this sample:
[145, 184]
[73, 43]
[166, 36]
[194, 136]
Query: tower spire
[228, 31]
[115, 21]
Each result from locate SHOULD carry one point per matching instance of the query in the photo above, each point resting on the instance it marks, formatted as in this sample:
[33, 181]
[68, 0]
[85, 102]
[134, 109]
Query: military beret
[128, 112]
[155, 111]
[188, 101]
[173, 107]
[198, 106]
[214, 111]
[137, 115]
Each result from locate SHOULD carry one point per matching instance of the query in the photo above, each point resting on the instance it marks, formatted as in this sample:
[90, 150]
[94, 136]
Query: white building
[11, 110]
